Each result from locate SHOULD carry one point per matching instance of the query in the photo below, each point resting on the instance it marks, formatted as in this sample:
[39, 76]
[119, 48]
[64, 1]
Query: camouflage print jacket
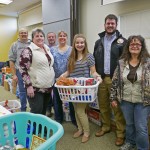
[117, 82]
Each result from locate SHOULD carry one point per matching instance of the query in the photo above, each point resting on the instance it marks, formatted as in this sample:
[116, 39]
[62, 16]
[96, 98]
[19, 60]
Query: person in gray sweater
[14, 57]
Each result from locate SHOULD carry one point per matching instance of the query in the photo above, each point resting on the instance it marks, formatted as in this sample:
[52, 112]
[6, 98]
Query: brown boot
[101, 133]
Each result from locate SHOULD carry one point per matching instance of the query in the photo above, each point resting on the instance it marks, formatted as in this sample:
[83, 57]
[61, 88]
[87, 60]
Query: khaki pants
[106, 110]
[81, 117]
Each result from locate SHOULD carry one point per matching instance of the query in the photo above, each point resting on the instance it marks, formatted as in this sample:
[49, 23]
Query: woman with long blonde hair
[81, 63]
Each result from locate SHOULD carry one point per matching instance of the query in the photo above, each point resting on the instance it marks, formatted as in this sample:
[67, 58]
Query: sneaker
[127, 146]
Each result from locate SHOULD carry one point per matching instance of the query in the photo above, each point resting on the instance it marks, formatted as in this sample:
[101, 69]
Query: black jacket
[116, 51]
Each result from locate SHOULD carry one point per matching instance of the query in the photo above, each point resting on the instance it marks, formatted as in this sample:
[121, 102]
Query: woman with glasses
[131, 87]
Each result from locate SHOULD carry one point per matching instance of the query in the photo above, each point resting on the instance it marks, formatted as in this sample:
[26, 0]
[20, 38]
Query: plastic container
[94, 104]
[14, 105]
[66, 111]
[84, 93]
[23, 132]
[67, 116]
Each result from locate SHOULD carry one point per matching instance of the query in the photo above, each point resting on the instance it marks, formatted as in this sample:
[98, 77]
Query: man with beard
[107, 51]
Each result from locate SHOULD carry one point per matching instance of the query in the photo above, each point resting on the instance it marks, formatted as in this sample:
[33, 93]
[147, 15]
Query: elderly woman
[131, 87]
[36, 67]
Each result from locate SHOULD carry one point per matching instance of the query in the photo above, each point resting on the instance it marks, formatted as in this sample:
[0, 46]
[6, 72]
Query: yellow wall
[8, 34]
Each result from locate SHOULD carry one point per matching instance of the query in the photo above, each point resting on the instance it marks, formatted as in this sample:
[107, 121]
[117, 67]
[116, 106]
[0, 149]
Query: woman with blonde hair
[81, 64]
[61, 52]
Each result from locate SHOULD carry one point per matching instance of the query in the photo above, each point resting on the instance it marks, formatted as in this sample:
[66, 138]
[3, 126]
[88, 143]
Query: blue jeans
[136, 116]
[22, 92]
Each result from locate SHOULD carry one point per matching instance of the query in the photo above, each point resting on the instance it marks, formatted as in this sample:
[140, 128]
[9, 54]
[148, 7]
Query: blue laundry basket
[21, 126]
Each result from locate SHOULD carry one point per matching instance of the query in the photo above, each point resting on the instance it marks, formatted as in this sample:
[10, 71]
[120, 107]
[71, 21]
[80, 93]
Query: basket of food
[81, 90]
[29, 131]
[11, 105]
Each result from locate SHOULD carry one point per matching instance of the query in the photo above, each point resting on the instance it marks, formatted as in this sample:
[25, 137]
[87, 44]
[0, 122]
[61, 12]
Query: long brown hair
[126, 55]
[74, 53]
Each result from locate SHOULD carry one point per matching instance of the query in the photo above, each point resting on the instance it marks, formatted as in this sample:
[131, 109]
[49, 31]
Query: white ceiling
[17, 6]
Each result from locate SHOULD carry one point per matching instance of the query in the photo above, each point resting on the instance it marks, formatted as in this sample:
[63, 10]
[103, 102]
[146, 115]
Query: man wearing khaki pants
[107, 51]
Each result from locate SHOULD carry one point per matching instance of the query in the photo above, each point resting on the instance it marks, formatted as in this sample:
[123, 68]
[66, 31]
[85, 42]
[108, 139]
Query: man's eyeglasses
[135, 44]
[21, 33]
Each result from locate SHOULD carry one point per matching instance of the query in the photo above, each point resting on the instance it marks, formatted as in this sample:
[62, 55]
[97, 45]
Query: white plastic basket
[81, 94]
[94, 104]
[14, 105]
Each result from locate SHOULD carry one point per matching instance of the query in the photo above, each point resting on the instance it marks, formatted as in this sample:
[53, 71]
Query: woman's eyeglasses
[135, 44]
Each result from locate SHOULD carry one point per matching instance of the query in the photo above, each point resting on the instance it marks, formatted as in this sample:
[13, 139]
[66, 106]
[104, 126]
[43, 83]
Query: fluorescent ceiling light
[105, 2]
[6, 1]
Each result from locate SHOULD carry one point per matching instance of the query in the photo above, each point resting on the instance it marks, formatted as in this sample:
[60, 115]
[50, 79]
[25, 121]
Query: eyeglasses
[135, 44]
[21, 33]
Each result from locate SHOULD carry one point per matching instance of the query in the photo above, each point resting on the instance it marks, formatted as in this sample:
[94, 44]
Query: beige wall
[30, 16]
[93, 14]
[8, 34]
[31, 19]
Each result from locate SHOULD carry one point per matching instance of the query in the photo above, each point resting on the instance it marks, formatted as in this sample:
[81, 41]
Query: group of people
[121, 65]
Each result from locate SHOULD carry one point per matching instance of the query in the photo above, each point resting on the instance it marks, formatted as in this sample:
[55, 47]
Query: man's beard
[111, 33]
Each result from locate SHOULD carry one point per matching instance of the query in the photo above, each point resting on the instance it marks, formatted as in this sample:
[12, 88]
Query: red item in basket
[75, 81]
[89, 82]
[6, 105]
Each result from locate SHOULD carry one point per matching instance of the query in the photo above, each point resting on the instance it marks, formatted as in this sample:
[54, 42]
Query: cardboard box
[6, 70]
[94, 116]
[14, 90]
[14, 86]
[14, 83]
[6, 85]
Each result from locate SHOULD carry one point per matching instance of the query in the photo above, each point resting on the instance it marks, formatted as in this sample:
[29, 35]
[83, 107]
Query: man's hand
[30, 91]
